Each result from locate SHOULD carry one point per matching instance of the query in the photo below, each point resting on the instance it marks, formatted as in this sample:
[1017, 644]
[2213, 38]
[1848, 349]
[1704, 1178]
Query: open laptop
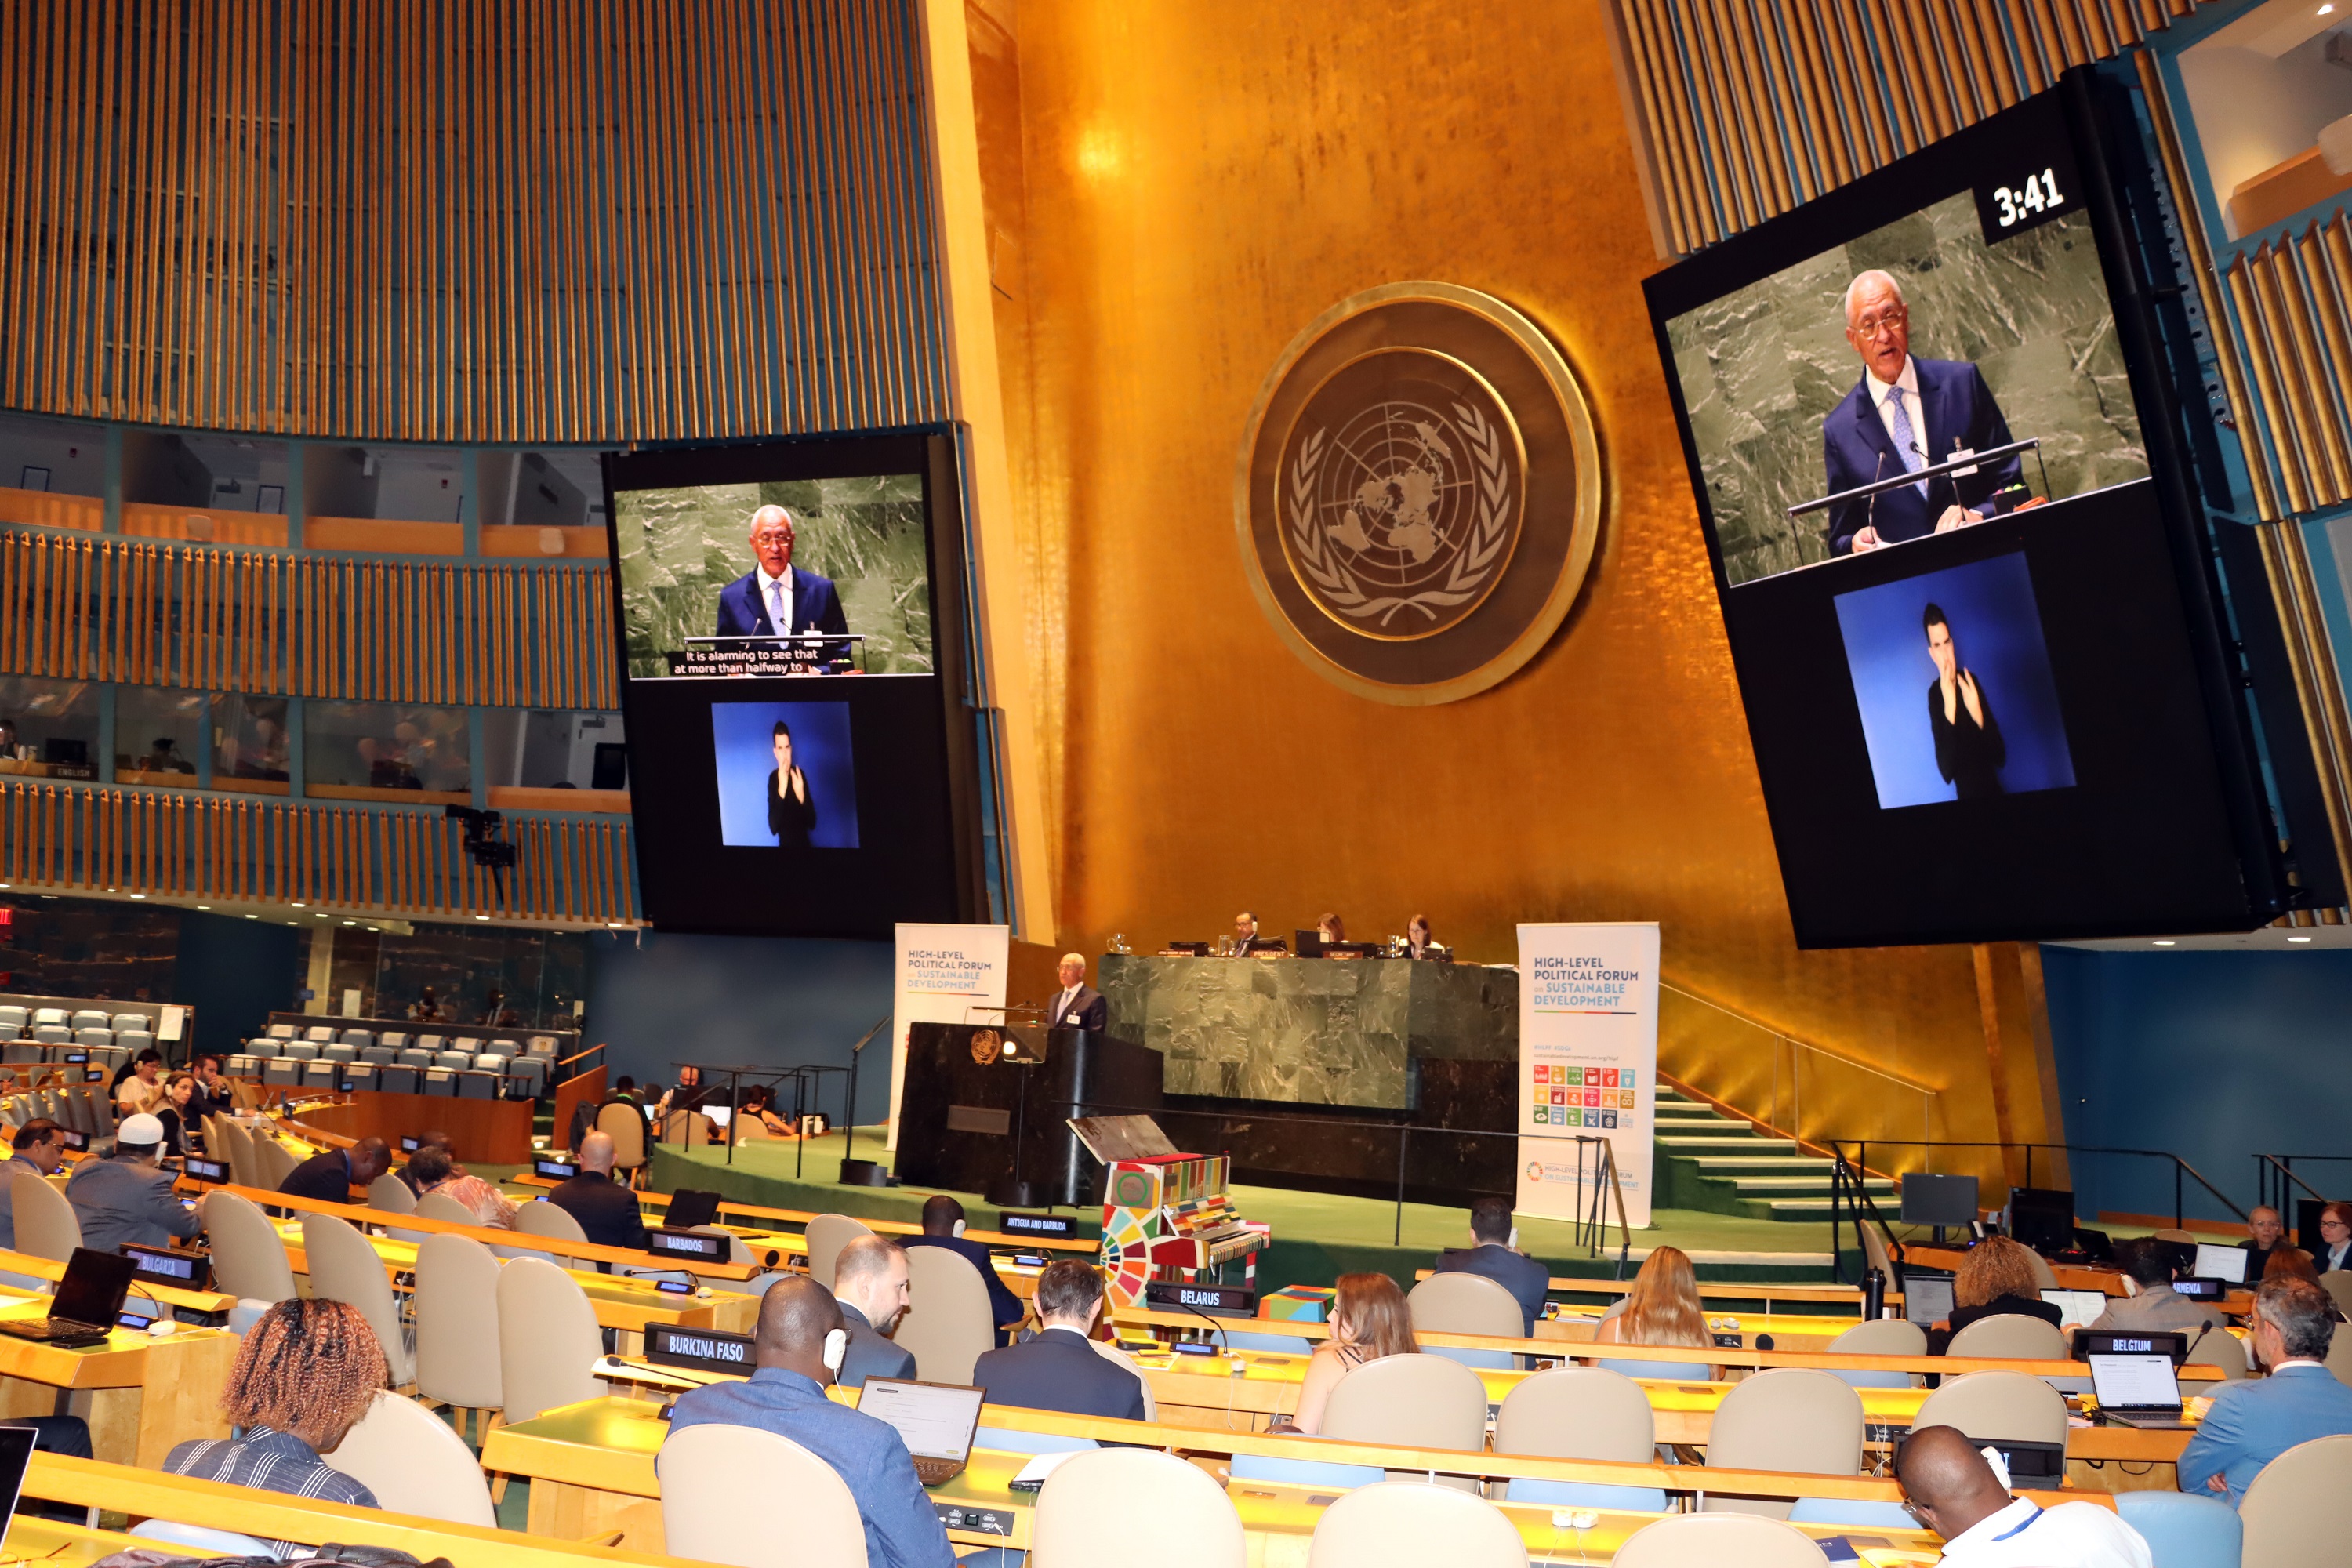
[87, 1300]
[2077, 1308]
[2138, 1391]
[1927, 1298]
[690, 1208]
[15, 1455]
[2227, 1264]
[935, 1420]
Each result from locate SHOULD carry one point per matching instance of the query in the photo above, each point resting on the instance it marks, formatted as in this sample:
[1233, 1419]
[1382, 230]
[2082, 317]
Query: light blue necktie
[1906, 445]
[780, 613]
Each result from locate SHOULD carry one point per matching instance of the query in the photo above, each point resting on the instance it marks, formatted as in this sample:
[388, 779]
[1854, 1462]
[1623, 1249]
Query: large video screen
[1934, 456]
[796, 763]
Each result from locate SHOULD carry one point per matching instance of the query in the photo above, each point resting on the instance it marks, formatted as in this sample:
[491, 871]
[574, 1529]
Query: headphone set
[958, 1231]
[836, 1350]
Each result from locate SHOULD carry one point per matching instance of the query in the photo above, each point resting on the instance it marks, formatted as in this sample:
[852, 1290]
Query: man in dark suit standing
[1490, 1254]
[1060, 1369]
[869, 1280]
[607, 1211]
[943, 1227]
[1076, 1006]
[775, 597]
[1903, 416]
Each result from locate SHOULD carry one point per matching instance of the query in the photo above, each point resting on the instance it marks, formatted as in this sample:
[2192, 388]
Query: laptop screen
[2135, 1382]
[2220, 1263]
[15, 1453]
[94, 1285]
[691, 1207]
[1927, 1299]
[2077, 1308]
[935, 1420]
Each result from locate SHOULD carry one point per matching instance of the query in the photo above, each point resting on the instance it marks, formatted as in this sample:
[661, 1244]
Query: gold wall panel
[238, 849]
[81, 607]
[1197, 183]
[457, 220]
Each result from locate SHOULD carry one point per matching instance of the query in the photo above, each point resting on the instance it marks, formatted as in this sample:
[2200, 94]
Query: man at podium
[1905, 414]
[1077, 1006]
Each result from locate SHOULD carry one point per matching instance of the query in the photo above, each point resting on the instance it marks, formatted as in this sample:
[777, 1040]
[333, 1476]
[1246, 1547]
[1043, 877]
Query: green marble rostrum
[1760, 368]
[1315, 1031]
[679, 548]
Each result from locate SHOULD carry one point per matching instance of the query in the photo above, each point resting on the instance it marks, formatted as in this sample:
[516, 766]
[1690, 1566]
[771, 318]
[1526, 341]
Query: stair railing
[1849, 1190]
[1798, 1050]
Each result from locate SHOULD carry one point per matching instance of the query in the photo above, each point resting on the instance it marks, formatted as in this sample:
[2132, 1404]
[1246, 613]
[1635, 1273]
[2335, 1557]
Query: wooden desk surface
[163, 1295]
[141, 1394]
[879, 1226]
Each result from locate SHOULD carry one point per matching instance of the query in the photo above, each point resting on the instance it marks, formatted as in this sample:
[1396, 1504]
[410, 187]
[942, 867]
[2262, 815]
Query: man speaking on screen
[1905, 414]
[775, 597]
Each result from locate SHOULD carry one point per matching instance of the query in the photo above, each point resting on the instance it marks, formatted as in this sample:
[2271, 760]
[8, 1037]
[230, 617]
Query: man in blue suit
[1490, 1254]
[775, 597]
[1903, 416]
[2252, 1422]
[1060, 1369]
[943, 1227]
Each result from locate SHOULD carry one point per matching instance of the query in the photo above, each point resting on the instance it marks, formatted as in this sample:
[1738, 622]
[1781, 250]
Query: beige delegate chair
[827, 1235]
[1467, 1304]
[723, 1488]
[1719, 1541]
[2294, 1512]
[236, 1148]
[547, 1339]
[948, 1324]
[389, 1195]
[2009, 1336]
[456, 1296]
[2221, 1350]
[2044, 1277]
[441, 1205]
[248, 1259]
[1412, 1401]
[540, 1217]
[625, 1125]
[1785, 1418]
[2337, 1283]
[415, 1464]
[688, 1129]
[273, 1162]
[1996, 1406]
[1412, 1524]
[1579, 1413]
[46, 1226]
[1094, 1498]
[344, 1267]
[1881, 1336]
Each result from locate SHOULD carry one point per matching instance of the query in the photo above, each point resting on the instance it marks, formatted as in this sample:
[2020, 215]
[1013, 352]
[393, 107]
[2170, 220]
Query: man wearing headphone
[943, 1227]
[1491, 1252]
[798, 1348]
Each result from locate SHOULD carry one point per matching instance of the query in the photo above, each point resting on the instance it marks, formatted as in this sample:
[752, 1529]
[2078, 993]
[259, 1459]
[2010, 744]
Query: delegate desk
[590, 1467]
[146, 1493]
[1074, 1244]
[141, 1394]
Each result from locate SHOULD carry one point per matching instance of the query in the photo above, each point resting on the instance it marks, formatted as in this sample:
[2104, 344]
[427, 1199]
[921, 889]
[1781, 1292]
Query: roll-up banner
[943, 974]
[1588, 1064]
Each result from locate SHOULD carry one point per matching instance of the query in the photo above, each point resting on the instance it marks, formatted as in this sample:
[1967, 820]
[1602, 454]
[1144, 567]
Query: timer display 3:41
[2039, 194]
[2010, 205]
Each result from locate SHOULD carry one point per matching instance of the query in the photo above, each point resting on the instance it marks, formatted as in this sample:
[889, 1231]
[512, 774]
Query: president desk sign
[945, 975]
[1588, 1064]
[1420, 491]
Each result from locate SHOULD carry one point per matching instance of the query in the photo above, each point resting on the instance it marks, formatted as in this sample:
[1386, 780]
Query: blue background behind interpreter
[742, 734]
[1997, 630]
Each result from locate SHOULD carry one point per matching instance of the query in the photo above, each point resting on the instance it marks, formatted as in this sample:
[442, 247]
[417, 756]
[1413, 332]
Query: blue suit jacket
[902, 1529]
[1004, 1306]
[1960, 411]
[1522, 1276]
[815, 606]
[2252, 1422]
[1059, 1370]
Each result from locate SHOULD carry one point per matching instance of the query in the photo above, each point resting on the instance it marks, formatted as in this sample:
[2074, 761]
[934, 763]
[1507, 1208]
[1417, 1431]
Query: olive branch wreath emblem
[1476, 562]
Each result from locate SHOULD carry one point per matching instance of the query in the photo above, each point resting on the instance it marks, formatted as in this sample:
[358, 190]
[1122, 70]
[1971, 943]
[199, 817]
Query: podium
[976, 1117]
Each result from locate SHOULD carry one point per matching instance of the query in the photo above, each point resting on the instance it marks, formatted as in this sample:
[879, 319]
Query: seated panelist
[869, 1280]
[800, 1346]
[1418, 942]
[1060, 1369]
[1077, 1006]
[125, 1198]
[607, 1211]
[329, 1175]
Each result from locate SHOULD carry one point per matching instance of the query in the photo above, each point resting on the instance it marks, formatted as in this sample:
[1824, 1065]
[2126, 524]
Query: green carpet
[1317, 1237]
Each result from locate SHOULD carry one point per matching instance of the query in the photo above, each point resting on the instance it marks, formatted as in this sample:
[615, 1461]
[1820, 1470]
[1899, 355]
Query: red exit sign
[7, 916]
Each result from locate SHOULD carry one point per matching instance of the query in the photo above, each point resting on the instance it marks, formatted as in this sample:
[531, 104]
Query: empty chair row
[524, 1079]
[398, 1040]
[14, 1017]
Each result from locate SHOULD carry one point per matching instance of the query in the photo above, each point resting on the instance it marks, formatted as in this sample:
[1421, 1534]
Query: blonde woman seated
[1662, 1309]
[1369, 1321]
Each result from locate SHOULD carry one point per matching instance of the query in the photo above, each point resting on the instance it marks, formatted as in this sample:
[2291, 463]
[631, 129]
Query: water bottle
[1874, 1294]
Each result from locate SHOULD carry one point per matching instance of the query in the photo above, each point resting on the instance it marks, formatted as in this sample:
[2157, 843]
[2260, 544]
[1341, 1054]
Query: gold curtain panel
[453, 220]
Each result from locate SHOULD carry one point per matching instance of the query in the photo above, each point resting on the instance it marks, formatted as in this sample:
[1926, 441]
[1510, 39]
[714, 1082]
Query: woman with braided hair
[305, 1378]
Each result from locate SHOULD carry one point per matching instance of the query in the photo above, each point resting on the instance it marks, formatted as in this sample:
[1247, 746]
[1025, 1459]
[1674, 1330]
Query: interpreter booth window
[2270, 106]
[48, 728]
[410, 484]
[208, 489]
[251, 750]
[538, 748]
[386, 746]
[159, 735]
[558, 488]
[52, 473]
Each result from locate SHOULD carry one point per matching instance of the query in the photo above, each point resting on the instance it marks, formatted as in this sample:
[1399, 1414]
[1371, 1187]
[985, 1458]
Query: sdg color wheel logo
[1420, 493]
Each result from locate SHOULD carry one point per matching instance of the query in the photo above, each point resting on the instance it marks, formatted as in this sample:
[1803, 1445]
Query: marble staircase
[1714, 1161]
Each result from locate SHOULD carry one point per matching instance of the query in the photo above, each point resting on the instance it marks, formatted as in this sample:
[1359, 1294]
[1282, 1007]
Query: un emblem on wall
[1419, 492]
